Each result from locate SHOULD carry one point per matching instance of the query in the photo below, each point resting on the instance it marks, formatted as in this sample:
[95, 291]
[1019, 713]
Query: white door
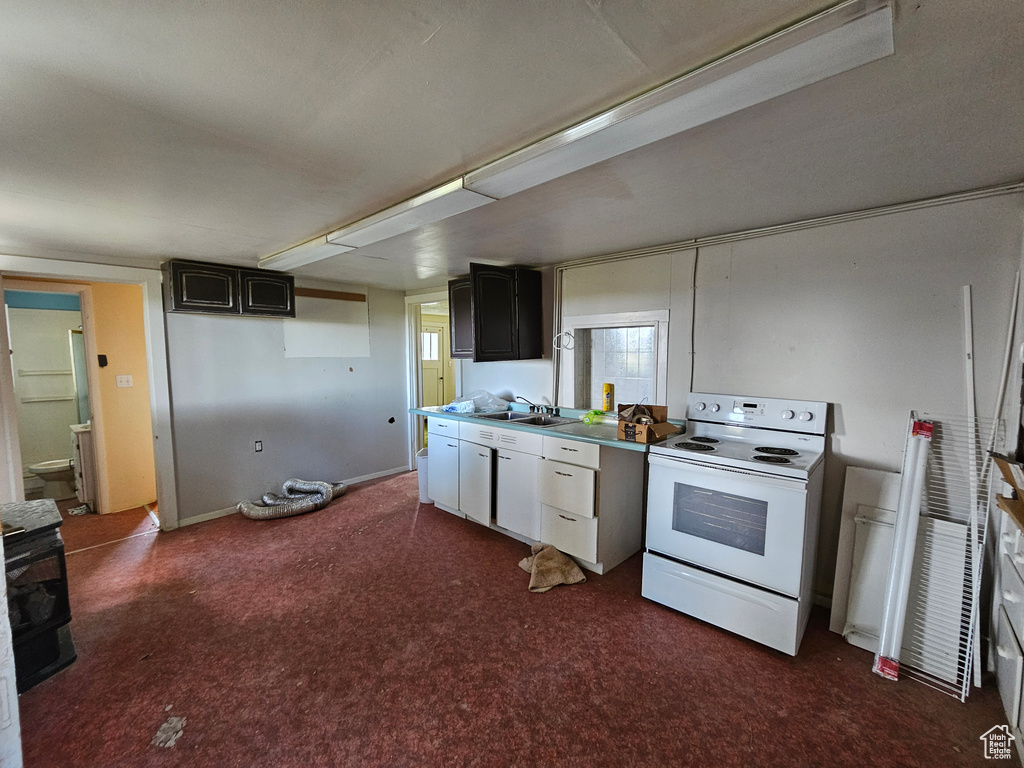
[475, 472]
[443, 472]
[431, 361]
[517, 507]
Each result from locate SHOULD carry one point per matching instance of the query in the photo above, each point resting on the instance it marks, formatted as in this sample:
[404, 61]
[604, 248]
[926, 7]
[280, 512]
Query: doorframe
[84, 293]
[150, 280]
[414, 378]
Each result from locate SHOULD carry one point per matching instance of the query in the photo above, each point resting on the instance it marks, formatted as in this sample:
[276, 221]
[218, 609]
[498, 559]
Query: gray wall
[318, 418]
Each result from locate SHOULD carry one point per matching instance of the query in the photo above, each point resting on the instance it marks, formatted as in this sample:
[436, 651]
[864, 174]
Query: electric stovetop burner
[772, 451]
[702, 439]
[772, 459]
[700, 447]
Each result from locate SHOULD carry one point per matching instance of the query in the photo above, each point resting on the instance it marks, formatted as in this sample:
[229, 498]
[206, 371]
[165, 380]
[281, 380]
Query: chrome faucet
[534, 408]
[548, 409]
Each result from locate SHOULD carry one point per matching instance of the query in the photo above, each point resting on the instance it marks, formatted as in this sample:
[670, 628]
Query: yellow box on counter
[646, 433]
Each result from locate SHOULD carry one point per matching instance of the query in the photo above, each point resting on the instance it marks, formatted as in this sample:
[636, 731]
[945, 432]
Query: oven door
[741, 524]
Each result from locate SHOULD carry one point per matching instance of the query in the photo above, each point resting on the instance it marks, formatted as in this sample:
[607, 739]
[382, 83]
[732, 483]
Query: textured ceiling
[137, 131]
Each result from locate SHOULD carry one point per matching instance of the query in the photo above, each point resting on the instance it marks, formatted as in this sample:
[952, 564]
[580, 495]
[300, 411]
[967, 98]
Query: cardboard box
[646, 433]
[1013, 474]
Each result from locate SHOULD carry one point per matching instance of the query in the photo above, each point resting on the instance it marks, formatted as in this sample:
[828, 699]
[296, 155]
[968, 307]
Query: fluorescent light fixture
[301, 255]
[437, 204]
[837, 40]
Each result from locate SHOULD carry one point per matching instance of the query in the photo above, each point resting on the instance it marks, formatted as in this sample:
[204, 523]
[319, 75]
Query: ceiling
[133, 132]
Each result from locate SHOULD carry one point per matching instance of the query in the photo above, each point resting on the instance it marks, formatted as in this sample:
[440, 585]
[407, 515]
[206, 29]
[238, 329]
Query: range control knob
[788, 414]
[699, 406]
[715, 407]
[806, 416]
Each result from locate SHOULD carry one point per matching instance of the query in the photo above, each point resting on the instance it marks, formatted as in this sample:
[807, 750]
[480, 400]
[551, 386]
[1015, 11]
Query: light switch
[124, 381]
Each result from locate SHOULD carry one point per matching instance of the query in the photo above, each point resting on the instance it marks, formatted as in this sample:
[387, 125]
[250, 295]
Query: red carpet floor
[380, 632]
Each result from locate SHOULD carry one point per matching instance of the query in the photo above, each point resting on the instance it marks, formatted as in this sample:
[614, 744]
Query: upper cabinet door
[195, 287]
[496, 314]
[495, 334]
[460, 310]
[264, 293]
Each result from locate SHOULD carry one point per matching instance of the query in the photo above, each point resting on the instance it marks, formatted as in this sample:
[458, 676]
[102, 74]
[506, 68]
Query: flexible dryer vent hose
[298, 497]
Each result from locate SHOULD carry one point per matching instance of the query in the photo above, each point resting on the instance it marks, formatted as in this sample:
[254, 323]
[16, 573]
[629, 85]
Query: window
[621, 356]
[429, 344]
[628, 350]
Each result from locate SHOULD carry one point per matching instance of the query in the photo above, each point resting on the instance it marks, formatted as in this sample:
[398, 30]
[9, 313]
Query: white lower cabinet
[1008, 620]
[585, 499]
[591, 500]
[516, 497]
[443, 472]
[476, 474]
[1009, 665]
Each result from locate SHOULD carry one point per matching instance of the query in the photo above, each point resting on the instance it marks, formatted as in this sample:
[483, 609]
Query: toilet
[58, 478]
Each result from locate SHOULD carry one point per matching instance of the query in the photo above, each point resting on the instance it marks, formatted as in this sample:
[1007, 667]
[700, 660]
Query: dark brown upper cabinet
[266, 293]
[460, 315]
[194, 286]
[496, 314]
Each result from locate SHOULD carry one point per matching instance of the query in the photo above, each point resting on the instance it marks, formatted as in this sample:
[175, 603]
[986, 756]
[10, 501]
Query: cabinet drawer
[478, 432]
[514, 440]
[446, 427]
[572, 451]
[569, 533]
[1013, 595]
[566, 487]
[1009, 664]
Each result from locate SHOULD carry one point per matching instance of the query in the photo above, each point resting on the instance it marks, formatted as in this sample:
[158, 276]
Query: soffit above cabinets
[150, 134]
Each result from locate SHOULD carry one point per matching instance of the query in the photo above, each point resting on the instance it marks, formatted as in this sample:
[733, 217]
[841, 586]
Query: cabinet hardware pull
[571, 450]
[482, 454]
[453, 446]
[567, 518]
[563, 474]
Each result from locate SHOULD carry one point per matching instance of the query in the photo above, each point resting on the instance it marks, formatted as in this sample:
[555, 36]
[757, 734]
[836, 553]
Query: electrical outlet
[124, 381]
[259, 446]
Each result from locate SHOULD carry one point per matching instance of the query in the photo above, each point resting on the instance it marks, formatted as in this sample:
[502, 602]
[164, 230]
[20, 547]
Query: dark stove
[37, 590]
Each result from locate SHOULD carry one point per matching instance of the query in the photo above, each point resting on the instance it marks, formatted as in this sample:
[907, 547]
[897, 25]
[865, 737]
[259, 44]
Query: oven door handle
[715, 470]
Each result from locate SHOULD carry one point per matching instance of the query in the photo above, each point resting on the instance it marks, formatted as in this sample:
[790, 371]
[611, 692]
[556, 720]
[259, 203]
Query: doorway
[436, 365]
[65, 371]
[433, 377]
[46, 275]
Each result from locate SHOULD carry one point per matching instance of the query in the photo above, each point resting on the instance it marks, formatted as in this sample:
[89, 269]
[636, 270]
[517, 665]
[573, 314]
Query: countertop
[602, 434]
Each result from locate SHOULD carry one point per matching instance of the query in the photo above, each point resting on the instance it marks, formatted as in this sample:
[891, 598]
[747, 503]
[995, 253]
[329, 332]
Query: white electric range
[732, 515]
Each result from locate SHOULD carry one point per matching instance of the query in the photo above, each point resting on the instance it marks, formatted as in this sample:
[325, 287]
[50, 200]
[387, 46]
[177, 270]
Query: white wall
[318, 418]
[865, 315]
[39, 342]
[658, 282]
